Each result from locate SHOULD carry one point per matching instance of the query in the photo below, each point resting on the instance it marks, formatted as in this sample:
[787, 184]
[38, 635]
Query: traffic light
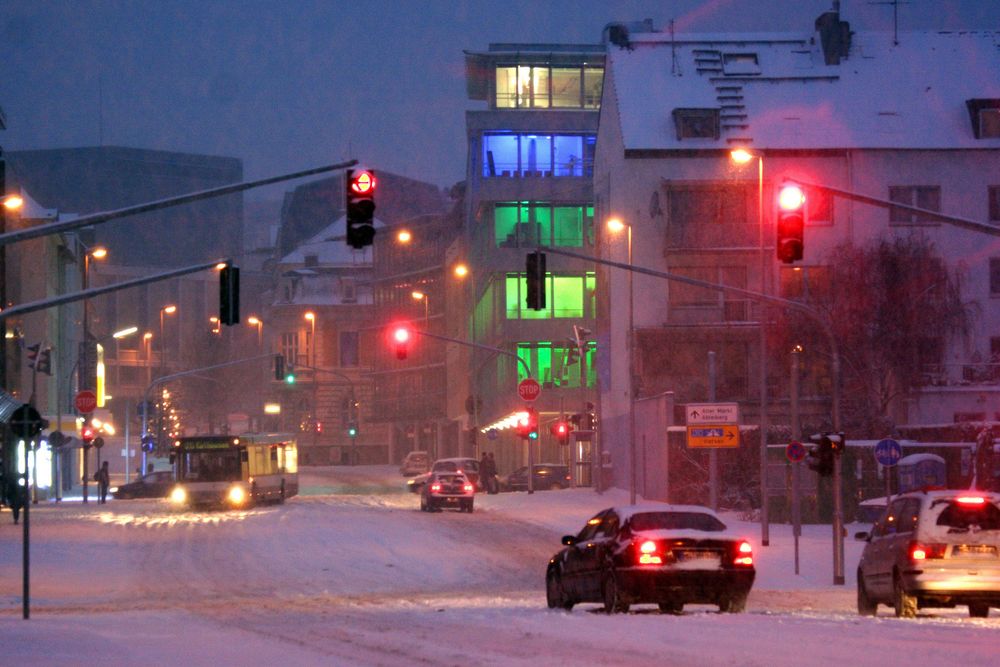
[229, 295]
[527, 424]
[352, 430]
[279, 367]
[560, 430]
[791, 223]
[148, 442]
[401, 339]
[289, 373]
[360, 207]
[87, 434]
[821, 457]
[535, 270]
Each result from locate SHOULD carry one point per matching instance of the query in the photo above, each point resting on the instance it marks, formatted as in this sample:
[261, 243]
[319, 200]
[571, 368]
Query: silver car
[933, 549]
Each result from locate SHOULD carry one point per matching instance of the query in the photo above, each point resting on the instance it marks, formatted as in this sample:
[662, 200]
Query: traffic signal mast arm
[964, 223]
[33, 306]
[748, 294]
[105, 216]
[458, 341]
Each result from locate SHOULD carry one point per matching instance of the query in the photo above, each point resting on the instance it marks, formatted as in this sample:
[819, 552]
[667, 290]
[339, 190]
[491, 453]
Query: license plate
[974, 550]
[700, 555]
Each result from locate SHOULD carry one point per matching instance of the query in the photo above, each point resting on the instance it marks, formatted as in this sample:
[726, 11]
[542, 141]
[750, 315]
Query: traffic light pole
[466, 343]
[787, 304]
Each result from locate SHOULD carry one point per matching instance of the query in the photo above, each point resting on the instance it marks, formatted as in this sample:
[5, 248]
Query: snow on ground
[351, 573]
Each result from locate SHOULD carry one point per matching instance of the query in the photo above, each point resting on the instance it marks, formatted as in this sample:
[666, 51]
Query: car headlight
[237, 495]
[178, 495]
[113, 489]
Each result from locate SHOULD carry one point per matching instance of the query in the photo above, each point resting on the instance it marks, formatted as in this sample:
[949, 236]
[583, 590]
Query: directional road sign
[713, 436]
[712, 413]
[887, 452]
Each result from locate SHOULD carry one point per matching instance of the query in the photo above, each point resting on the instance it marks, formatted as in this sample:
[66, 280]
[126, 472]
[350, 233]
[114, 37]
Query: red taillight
[920, 551]
[435, 487]
[468, 488]
[971, 500]
[744, 554]
[649, 553]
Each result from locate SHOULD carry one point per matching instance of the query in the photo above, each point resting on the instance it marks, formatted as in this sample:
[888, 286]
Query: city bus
[234, 471]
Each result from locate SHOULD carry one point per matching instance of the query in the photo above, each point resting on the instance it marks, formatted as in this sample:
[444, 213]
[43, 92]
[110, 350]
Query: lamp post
[169, 310]
[147, 343]
[742, 156]
[11, 204]
[96, 252]
[255, 321]
[616, 225]
[422, 296]
[310, 316]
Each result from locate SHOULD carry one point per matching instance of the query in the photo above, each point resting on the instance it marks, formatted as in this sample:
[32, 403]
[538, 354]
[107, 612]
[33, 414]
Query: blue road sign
[492, 434]
[887, 452]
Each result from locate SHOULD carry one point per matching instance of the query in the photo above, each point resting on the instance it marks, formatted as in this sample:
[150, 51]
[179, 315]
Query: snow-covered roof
[914, 459]
[330, 248]
[776, 91]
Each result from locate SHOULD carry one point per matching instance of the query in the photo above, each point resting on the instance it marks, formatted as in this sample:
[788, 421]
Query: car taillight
[468, 488]
[435, 487]
[744, 554]
[649, 553]
[920, 551]
[971, 500]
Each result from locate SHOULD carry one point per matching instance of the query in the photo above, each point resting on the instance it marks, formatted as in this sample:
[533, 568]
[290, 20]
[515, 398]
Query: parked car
[933, 549]
[447, 489]
[415, 463]
[871, 510]
[467, 466]
[150, 485]
[669, 555]
[547, 476]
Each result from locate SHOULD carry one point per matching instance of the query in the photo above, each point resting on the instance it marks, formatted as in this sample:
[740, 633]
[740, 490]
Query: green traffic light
[352, 432]
[290, 379]
[533, 435]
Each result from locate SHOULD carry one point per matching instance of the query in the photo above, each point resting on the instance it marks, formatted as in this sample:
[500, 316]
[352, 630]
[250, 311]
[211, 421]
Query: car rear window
[450, 479]
[960, 516]
[676, 521]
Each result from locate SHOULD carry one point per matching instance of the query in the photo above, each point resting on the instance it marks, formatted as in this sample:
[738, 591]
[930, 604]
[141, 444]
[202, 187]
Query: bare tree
[893, 305]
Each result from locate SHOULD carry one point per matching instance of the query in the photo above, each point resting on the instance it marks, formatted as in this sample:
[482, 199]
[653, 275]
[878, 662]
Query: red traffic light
[87, 434]
[791, 197]
[401, 339]
[363, 182]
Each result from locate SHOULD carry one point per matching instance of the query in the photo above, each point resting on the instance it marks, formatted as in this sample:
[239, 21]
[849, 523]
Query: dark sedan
[150, 485]
[548, 476]
[669, 555]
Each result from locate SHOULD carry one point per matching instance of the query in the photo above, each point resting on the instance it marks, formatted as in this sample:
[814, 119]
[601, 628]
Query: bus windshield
[219, 465]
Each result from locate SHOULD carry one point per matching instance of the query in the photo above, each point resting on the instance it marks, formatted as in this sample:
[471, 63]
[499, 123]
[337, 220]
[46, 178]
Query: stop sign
[85, 401]
[528, 389]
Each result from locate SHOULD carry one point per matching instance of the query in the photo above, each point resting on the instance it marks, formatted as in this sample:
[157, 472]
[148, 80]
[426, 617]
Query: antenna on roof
[895, 16]
[673, 50]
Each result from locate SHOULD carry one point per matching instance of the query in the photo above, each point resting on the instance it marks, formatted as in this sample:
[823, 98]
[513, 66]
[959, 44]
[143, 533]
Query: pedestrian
[493, 485]
[103, 479]
[484, 471]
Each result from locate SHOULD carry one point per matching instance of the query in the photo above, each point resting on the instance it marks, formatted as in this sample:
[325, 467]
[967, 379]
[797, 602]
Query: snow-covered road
[351, 573]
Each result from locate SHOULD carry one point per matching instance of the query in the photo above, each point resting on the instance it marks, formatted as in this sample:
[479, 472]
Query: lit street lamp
[169, 310]
[255, 321]
[311, 317]
[422, 296]
[742, 156]
[615, 226]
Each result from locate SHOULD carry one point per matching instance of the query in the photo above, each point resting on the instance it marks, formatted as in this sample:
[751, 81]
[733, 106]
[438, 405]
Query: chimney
[834, 34]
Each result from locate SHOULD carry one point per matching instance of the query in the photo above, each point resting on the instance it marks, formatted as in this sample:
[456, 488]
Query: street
[351, 572]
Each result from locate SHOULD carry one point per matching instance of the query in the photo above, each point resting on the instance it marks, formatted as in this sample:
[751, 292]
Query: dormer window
[696, 123]
[740, 64]
[985, 117]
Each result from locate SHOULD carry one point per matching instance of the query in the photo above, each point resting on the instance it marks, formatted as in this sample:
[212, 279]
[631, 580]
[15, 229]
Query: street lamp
[311, 317]
[615, 226]
[96, 252]
[404, 236]
[169, 310]
[742, 156]
[422, 296]
[461, 270]
[255, 321]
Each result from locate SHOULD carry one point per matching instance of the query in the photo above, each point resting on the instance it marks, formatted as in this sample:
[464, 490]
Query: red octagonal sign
[529, 389]
[85, 402]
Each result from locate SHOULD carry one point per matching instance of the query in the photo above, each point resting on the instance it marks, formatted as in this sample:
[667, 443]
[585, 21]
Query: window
[348, 348]
[525, 224]
[735, 64]
[994, 194]
[557, 365]
[985, 117]
[804, 282]
[567, 296]
[543, 87]
[921, 196]
[696, 123]
[684, 295]
[721, 205]
[537, 155]
[994, 276]
[819, 206]
[290, 347]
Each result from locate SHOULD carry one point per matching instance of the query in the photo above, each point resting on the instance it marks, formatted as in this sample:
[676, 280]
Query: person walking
[484, 472]
[103, 479]
[492, 483]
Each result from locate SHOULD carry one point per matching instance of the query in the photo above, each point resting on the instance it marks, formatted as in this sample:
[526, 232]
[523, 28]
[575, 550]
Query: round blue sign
[888, 452]
[795, 451]
[492, 434]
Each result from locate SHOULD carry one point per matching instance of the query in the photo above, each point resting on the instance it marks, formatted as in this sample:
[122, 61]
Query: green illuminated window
[526, 224]
[557, 365]
[566, 296]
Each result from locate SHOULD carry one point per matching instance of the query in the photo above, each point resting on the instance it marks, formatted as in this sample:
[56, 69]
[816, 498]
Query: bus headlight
[237, 495]
[178, 496]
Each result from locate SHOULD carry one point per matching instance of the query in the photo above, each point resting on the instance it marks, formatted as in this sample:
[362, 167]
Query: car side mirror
[568, 540]
[862, 536]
